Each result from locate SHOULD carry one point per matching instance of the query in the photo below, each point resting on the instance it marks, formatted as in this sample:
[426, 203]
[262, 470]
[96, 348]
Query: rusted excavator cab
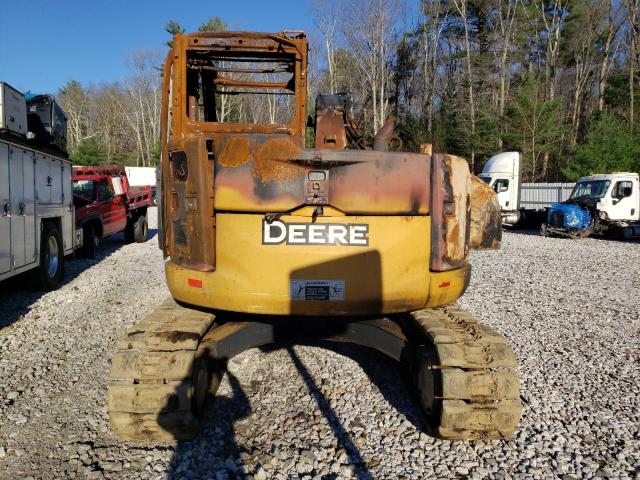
[266, 240]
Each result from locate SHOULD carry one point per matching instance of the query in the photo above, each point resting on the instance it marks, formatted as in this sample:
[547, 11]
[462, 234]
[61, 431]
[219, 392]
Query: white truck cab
[618, 195]
[502, 173]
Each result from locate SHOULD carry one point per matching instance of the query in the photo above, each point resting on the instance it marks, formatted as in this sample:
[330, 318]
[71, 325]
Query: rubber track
[479, 393]
[151, 389]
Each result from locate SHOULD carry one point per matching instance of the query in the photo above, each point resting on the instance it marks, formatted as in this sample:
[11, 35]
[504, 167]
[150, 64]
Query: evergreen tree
[610, 147]
[213, 24]
[173, 28]
[88, 152]
[533, 125]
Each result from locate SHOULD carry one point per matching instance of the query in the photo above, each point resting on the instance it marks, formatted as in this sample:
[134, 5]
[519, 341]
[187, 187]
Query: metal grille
[179, 165]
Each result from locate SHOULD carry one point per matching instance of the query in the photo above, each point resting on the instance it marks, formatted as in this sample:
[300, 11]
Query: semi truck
[36, 203]
[521, 204]
[601, 204]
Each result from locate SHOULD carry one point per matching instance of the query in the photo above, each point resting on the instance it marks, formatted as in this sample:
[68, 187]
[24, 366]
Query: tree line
[554, 79]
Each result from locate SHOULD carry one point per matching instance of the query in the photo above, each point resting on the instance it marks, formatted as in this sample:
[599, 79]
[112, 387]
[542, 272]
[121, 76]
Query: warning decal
[324, 290]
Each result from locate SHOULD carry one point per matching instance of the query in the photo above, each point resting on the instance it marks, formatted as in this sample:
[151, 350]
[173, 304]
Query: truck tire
[128, 231]
[140, 229]
[90, 241]
[50, 271]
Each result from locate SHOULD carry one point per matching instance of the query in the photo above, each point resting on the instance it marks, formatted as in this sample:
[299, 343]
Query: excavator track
[167, 365]
[465, 376]
[159, 380]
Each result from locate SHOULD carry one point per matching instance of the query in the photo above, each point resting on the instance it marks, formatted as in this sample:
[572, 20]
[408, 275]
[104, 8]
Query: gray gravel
[570, 309]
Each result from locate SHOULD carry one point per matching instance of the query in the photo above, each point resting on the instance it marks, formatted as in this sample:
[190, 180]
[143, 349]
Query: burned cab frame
[211, 81]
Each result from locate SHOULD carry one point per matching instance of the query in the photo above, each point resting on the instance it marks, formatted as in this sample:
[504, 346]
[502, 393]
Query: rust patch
[486, 221]
[235, 152]
[450, 231]
[271, 160]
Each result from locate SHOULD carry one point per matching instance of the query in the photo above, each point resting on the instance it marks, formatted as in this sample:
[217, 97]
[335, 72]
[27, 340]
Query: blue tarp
[574, 216]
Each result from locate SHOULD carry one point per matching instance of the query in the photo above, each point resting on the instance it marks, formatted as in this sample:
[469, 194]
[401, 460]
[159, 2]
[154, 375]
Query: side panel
[67, 197]
[5, 219]
[29, 202]
[16, 185]
[534, 196]
[450, 212]
[44, 179]
[56, 180]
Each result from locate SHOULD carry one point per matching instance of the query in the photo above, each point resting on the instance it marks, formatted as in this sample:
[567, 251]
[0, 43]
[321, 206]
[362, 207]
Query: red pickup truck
[105, 204]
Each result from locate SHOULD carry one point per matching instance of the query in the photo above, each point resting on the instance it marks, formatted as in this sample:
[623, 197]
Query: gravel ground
[570, 309]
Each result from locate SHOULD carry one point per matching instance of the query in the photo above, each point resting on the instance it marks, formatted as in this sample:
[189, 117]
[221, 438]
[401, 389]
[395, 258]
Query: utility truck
[521, 204]
[602, 204]
[36, 207]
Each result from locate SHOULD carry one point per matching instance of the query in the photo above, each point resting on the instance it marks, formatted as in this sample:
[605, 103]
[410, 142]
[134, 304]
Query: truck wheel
[50, 271]
[128, 231]
[140, 229]
[90, 241]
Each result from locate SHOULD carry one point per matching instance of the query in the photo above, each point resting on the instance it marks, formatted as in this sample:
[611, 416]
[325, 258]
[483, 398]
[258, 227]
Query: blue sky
[45, 43]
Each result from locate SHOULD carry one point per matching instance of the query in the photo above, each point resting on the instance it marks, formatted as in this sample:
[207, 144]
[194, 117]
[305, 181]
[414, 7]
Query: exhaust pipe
[383, 138]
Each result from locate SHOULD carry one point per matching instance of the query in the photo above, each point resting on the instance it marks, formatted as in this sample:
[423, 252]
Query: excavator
[266, 240]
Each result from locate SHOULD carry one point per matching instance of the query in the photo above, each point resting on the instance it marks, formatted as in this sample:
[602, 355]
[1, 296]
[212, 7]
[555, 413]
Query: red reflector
[192, 282]
[444, 284]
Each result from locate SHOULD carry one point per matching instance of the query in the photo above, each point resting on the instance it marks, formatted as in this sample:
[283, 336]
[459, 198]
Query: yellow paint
[442, 294]
[389, 275]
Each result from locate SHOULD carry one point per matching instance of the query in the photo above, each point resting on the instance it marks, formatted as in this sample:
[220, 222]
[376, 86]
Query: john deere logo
[351, 234]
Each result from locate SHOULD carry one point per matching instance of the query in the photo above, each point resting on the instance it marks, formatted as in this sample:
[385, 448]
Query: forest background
[557, 80]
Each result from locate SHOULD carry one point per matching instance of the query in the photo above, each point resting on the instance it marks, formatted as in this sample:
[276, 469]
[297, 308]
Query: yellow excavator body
[389, 274]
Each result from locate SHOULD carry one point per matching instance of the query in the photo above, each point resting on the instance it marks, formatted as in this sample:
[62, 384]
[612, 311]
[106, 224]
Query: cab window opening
[228, 87]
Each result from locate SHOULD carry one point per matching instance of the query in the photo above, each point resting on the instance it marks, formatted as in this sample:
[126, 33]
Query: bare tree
[507, 12]
[141, 104]
[612, 18]
[633, 17]
[368, 27]
[75, 102]
[461, 7]
[436, 18]
[326, 16]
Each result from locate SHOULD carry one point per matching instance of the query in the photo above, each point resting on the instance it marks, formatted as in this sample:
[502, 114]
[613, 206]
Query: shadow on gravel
[17, 294]
[342, 436]
[214, 452]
